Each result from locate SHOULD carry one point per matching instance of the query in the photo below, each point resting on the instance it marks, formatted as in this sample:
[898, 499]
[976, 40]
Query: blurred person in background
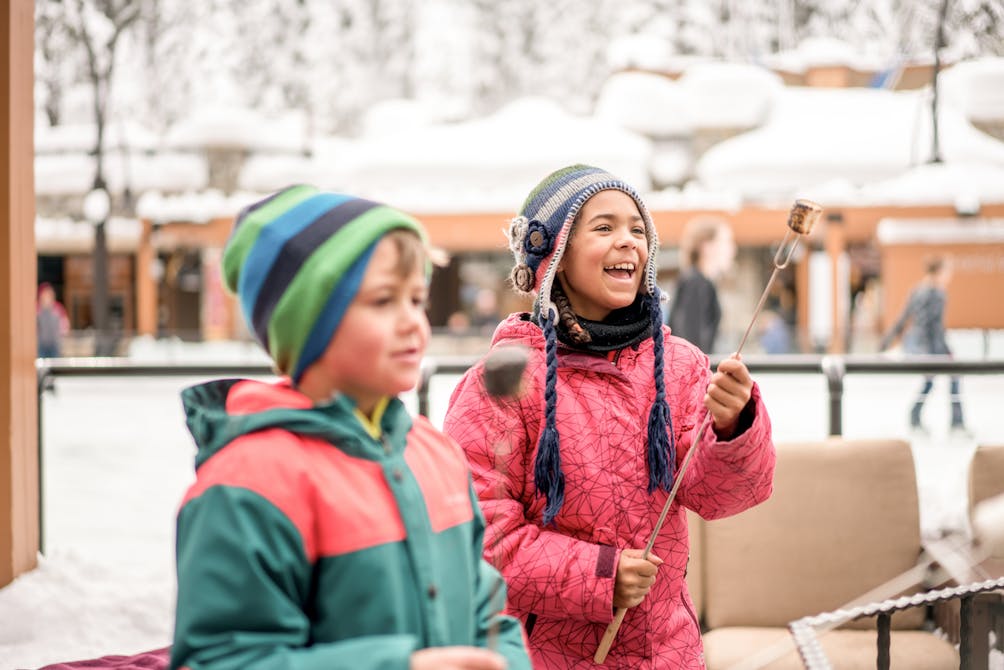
[707, 250]
[923, 320]
[51, 322]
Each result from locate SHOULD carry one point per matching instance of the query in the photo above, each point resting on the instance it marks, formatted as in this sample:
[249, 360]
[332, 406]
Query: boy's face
[378, 347]
[603, 264]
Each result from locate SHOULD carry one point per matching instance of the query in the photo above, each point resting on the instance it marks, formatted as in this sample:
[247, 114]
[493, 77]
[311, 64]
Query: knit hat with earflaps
[296, 259]
[537, 238]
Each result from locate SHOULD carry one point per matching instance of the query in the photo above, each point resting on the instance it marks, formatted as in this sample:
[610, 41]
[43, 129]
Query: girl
[573, 473]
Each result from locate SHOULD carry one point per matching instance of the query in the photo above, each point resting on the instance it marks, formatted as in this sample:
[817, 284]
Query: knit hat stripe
[270, 248]
[248, 226]
[558, 192]
[303, 302]
[332, 313]
[538, 195]
[294, 252]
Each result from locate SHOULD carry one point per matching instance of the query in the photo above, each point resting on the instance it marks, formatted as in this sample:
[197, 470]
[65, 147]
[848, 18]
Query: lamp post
[97, 205]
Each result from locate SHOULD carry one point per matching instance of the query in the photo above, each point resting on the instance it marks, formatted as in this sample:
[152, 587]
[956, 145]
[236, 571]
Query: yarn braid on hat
[296, 260]
[538, 237]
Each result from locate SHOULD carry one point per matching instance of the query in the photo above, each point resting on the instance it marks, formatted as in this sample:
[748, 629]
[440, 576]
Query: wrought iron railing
[982, 612]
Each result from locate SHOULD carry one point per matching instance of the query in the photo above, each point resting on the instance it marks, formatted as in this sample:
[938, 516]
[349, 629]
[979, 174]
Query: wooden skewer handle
[609, 636]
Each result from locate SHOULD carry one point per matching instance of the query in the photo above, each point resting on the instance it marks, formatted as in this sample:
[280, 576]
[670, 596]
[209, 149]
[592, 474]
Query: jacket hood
[517, 328]
[219, 411]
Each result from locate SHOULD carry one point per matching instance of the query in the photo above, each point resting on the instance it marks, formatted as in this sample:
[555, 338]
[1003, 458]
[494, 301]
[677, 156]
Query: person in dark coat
[707, 250]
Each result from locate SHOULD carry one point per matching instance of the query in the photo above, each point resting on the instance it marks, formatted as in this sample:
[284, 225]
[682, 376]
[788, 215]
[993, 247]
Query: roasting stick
[503, 379]
[801, 219]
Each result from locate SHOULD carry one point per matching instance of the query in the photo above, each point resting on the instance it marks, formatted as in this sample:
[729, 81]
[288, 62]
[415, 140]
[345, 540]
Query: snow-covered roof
[195, 207]
[644, 52]
[730, 95]
[484, 165]
[960, 184]
[816, 136]
[80, 137]
[646, 103]
[977, 88]
[73, 173]
[65, 235]
[238, 127]
[940, 231]
[822, 52]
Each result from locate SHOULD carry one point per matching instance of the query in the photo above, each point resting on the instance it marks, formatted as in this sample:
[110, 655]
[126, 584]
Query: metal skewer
[801, 219]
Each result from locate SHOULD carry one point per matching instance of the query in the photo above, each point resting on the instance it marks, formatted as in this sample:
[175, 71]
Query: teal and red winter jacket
[306, 543]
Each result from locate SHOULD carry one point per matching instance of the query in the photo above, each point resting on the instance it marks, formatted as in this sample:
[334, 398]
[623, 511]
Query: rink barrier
[835, 368]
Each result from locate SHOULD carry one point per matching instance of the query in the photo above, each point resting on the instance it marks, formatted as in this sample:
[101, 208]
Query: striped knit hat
[538, 238]
[296, 259]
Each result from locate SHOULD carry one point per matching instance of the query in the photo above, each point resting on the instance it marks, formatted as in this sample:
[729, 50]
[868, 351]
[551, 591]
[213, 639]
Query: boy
[327, 528]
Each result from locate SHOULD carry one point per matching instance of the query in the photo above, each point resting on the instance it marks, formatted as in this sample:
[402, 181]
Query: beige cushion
[842, 520]
[986, 474]
[846, 649]
[986, 480]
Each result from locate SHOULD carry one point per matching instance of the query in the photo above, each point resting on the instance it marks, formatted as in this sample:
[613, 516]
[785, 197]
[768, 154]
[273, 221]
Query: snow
[730, 95]
[645, 52]
[238, 127]
[647, 103]
[864, 136]
[976, 87]
[81, 137]
[73, 173]
[485, 165]
[117, 460]
[69, 236]
[823, 51]
[935, 231]
[194, 207]
[964, 185]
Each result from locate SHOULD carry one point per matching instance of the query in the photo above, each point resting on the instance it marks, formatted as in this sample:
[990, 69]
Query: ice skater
[923, 320]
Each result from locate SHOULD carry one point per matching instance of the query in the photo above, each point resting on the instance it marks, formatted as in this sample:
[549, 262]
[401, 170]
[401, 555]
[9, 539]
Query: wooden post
[19, 536]
[836, 247]
[146, 285]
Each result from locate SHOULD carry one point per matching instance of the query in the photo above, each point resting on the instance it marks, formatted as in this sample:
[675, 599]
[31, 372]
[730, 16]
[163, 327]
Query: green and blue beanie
[295, 261]
[538, 237]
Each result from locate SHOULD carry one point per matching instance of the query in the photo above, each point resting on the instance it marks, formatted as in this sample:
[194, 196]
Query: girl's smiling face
[604, 262]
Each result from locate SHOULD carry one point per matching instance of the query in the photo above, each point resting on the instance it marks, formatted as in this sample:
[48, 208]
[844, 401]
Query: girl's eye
[638, 230]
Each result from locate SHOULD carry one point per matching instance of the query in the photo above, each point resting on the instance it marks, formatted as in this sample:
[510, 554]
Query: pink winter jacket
[561, 578]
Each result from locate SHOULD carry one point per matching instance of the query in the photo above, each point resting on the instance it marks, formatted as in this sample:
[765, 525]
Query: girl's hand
[728, 393]
[456, 658]
[635, 577]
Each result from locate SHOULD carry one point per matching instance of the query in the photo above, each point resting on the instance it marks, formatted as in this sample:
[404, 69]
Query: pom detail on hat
[522, 278]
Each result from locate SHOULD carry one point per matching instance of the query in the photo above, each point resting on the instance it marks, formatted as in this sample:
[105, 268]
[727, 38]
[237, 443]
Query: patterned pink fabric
[563, 574]
[150, 660]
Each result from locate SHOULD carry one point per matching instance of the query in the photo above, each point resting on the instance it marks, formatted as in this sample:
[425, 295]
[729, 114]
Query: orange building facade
[841, 230]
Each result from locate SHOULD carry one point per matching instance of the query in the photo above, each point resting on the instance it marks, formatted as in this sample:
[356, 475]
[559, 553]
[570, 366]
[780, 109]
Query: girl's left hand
[727, 395]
